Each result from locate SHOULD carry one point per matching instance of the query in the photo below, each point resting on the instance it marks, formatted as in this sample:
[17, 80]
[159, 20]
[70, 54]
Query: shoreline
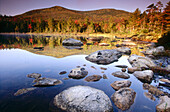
[68, 34]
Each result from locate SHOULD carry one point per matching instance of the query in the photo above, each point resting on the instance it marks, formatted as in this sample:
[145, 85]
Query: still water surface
[16, 63]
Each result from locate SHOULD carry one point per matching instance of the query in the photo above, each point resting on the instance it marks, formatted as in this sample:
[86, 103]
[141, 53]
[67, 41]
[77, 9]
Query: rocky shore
[88, 99]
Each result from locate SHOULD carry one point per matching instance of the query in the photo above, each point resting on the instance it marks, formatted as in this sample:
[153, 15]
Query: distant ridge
[61, 13]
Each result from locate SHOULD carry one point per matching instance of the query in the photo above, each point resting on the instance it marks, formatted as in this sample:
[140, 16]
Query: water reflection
[52, 45]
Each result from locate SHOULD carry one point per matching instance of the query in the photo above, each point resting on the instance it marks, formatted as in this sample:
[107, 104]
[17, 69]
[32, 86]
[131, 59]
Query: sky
[15, 7]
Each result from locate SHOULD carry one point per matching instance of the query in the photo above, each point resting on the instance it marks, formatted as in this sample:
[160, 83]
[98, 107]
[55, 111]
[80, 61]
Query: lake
[18, 58]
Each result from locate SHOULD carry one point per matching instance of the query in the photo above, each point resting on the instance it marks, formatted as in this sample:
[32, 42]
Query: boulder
[78, 73]
[121, 84]
[124, 98]
[93, 78]
[34, 75]
[72, 42]
[121, 75]
[141, 62]
[124, 50]
[46, 82]
[83, 99]
[133, 69]
[23, 91]
[144, 76]
[164, 105]
[104, 56]
[155, 51]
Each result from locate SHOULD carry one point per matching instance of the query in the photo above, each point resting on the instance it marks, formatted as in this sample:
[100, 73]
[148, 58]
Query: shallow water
[17, 63]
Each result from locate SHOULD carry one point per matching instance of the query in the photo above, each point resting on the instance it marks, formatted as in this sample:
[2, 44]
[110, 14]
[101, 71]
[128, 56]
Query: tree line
[155, 20]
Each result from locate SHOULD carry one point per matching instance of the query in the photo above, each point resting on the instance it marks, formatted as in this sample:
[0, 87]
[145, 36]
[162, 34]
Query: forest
[149, 25]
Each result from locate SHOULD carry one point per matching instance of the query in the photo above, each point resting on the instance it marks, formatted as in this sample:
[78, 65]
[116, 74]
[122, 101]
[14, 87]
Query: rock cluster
[141, 62]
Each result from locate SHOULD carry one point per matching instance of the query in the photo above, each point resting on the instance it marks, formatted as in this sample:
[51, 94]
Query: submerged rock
[168, 67]
[155, 51]
[121, 75]
[164, 105]
[103, 68]
[78, 73]
[149, 96]
[83, 99]
[121, 66]
[39, 48]
[66, 78]
[120, 84]
[23, 91]
[63, 72]
[144, 76]
[73, 47]
[46, 82]
[34, 75]
[124, 98]
[128, 43]
[72, 42]
[124, 50]
[104, 56]
[93, 78]
[153, 90]
[123, 69]
[93, 67]
[165, 80]
[104, 44]
[141, 62]
[104, 76]
[160, 70]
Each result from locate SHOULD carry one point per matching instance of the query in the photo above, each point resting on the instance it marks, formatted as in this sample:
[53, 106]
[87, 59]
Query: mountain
[59, 13]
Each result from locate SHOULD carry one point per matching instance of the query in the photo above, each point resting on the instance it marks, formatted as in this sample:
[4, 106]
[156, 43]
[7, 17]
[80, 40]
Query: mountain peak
[61, 13]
